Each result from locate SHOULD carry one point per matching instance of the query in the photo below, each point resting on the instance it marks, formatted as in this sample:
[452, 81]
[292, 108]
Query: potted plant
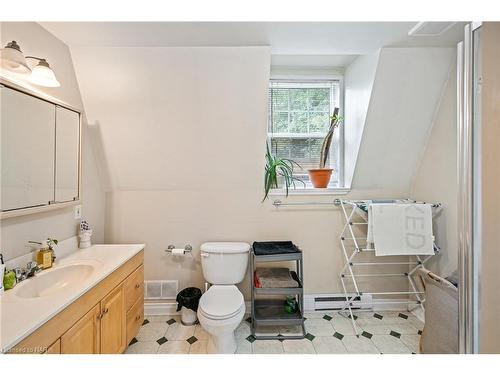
[320, 177]
[276, 169]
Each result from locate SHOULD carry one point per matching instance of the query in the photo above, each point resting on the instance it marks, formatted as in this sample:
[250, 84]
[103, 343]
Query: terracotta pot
[320, 177]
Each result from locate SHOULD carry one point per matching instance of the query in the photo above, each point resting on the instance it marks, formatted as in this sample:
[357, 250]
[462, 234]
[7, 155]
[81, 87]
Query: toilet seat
[221, 302]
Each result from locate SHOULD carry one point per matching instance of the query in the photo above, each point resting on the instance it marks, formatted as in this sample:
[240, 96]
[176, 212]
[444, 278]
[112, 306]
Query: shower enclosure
[478, 123]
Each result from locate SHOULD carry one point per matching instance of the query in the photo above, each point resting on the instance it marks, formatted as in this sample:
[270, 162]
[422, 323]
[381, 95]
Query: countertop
[19, 317]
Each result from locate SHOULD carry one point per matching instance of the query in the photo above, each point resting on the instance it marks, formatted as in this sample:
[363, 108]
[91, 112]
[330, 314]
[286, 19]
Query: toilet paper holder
[171, 249]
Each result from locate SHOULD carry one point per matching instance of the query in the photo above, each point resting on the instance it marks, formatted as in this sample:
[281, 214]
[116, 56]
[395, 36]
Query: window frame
[305, 78]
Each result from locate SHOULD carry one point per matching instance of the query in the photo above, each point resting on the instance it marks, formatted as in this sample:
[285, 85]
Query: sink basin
[55, 281]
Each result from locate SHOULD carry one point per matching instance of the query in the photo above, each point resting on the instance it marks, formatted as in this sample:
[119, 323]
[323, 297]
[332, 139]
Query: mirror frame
[58, 103]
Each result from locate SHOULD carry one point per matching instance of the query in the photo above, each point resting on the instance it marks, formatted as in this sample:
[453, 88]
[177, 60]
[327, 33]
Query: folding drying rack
[355, 214]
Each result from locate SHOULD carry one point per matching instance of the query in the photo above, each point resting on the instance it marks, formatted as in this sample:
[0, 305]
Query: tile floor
[384, 332]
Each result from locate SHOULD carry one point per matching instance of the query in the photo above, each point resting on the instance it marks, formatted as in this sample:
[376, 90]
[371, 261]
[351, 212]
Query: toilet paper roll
[177, 251]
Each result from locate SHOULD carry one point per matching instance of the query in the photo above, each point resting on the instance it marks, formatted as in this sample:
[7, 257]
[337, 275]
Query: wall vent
[430, 28]
[161, 289]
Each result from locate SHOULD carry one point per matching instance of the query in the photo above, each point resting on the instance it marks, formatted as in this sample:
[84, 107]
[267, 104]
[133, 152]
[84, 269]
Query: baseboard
[160, 308]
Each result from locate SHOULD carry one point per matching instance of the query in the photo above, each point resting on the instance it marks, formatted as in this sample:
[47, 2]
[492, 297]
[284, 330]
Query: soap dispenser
[45, 256]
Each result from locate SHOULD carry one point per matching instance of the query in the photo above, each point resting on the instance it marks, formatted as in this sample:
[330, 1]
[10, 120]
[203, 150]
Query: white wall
[184, 131]
[436, 178]
[16, 232]
[358, 82]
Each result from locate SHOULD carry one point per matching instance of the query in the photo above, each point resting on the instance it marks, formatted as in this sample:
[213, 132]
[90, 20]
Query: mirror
[40, 148]
[67, 154]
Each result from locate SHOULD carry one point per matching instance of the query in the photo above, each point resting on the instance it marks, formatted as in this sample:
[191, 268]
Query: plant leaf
[278, 167]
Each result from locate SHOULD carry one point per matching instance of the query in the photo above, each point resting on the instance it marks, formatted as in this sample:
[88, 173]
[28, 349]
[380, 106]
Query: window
[299, 118]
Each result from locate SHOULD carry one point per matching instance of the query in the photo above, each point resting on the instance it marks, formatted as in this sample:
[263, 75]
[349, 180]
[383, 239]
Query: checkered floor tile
[327, 332]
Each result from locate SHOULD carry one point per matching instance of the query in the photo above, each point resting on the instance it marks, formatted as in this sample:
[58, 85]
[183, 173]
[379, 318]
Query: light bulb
[42, 75]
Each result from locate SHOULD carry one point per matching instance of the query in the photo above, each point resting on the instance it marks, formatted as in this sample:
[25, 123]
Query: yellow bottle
[44, 258]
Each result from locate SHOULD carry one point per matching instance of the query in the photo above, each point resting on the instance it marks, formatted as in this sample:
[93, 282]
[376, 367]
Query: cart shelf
[282, 291]
[271, 312]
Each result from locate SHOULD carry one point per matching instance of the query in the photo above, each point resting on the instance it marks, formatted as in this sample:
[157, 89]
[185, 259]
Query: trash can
[187, 304]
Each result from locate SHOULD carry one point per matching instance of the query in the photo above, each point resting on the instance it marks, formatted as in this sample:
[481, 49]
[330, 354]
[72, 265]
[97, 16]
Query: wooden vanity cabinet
[104, 320]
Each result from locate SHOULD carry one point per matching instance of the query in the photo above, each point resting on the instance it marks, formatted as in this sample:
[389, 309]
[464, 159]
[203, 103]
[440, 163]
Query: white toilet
[222, 307]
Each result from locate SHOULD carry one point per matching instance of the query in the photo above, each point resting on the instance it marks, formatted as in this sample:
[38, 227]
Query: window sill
[310, 191]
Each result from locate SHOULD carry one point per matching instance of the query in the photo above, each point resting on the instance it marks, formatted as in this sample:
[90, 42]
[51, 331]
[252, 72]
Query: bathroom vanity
[90, 302]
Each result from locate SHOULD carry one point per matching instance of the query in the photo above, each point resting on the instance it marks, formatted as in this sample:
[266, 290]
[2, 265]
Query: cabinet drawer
[134, 287]
[135, 317]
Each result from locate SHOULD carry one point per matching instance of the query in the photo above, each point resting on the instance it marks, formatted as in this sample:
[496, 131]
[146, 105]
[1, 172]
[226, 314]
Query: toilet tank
[224, 262]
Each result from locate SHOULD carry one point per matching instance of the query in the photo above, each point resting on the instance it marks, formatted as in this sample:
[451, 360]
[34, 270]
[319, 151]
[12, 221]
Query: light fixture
[12, 59]
[42, 75]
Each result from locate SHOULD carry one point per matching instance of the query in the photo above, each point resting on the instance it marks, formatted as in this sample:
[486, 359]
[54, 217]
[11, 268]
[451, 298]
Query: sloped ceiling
[177, 118]
[406, 93]
[397, 115]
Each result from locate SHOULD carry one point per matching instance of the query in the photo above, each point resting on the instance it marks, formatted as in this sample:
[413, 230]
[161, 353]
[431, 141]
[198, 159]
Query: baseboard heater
[338, 302]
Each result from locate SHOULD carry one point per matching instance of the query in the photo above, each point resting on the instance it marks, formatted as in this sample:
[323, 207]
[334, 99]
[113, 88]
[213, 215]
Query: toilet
[222, 307]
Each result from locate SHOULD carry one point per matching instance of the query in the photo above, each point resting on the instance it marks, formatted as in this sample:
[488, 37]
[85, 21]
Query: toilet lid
[221, 302]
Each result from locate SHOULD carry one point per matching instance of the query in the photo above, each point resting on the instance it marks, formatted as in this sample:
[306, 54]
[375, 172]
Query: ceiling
[284, 38]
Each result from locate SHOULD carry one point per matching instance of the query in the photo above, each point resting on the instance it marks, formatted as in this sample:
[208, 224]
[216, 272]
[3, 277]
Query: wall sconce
[13, 60]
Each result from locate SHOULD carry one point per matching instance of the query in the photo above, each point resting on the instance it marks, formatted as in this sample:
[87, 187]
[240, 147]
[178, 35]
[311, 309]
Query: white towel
[400, 229]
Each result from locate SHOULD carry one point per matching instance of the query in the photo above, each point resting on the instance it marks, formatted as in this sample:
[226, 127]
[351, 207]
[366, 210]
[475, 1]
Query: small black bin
[187, 303]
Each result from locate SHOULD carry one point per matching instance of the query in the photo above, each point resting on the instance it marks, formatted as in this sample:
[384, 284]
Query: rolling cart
[268, 311]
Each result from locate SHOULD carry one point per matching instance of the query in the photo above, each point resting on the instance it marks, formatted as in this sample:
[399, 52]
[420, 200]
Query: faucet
[31, 270]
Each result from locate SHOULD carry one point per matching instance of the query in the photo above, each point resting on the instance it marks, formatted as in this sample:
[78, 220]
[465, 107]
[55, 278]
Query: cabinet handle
[105, 311]
[137, 318]
[137, 286]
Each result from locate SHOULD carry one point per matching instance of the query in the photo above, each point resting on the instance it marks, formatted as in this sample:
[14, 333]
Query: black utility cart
[269, 311]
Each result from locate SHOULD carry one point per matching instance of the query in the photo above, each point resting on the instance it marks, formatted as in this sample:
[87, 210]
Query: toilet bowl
[222, 307]
[220, 311]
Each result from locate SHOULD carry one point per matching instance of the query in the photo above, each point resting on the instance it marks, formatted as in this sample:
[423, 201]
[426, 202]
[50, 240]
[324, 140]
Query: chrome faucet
[31, 270]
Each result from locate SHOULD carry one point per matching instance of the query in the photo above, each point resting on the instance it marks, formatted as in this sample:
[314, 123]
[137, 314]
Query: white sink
[55, 281]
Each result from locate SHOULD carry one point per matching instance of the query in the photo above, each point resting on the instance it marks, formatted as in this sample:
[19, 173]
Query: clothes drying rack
[355, 214]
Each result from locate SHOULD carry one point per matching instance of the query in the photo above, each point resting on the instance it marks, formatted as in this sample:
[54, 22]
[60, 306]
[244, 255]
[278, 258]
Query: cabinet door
[55, 348]
[113, 324]
[84, 336]
[67, 154]
[27, 150]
